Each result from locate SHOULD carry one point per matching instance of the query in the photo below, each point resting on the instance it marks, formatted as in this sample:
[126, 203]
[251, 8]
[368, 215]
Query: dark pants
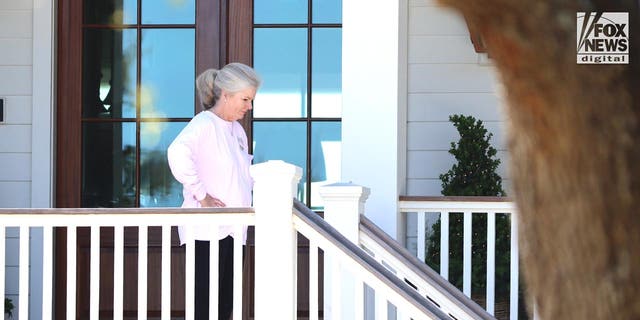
[225, 282]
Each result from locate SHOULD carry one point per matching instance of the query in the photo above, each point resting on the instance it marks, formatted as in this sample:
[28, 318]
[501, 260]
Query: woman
[210, 158]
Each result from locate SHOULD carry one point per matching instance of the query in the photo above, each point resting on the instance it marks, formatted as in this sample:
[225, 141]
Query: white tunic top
[210, 155]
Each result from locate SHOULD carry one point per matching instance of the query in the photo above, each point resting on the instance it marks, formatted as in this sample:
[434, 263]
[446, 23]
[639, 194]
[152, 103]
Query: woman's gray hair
[233, 78]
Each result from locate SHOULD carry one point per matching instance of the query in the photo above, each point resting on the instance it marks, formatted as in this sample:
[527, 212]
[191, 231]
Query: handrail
[423, 271]
[91, 211]
[366, 261]
[457, 198]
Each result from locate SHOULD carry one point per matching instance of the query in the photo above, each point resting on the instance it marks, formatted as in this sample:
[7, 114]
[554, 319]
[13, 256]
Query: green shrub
[473, 174]
[8, 307]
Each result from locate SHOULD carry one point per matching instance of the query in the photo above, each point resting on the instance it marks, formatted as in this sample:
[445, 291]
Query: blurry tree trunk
[574, 139]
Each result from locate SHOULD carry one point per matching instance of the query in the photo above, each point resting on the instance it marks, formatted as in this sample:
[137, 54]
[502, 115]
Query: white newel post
[343, 205]
[275, 239]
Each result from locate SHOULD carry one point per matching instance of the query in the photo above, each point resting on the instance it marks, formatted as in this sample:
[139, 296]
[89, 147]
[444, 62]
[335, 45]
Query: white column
[275, 277]
[374, 98]
[343, 205]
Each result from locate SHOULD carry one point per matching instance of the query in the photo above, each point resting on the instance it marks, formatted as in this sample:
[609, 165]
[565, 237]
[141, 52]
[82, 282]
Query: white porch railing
[30, 220]
[416, 212]
[356, 285]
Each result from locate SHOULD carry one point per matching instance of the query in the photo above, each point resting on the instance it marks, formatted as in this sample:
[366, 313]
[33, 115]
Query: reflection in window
[280, 11]
[168, 12]
[158, 188]
[326, 73]
[327, 11]
[168, 73]
[108, 165]
[280, 57]
[110, 12]
[285, 141]
[326, 151]
[109, 73]
[138, 92]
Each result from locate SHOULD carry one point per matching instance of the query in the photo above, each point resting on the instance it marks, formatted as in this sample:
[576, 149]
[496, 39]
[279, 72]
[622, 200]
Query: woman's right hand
[211, 202]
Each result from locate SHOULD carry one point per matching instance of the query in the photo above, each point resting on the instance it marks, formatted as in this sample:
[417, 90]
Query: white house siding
[15, 87]
[26, 134]
[445, 76]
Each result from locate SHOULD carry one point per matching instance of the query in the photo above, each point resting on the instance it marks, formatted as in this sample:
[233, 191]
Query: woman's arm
[182, 155]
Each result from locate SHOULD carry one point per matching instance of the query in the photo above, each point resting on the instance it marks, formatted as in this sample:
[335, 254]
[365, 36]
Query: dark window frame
[308, 119]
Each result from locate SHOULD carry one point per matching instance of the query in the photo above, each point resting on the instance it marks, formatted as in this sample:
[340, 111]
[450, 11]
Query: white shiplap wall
[445, 76]
[16, 63]
[15, 86]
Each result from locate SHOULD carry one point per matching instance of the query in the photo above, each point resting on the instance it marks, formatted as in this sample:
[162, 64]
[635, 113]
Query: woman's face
[238, 104]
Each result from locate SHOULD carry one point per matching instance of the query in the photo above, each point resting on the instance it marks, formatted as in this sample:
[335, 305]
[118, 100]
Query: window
[297, 50]
[138, 71]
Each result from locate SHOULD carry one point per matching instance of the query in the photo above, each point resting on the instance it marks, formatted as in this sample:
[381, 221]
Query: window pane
[280, 11]
[327, 11]
[110, 12]
[168, 73]
[168, 12]
[326, 151]
[158, 188]
[326, 73]
[108, 165]
[280, 57]
[285, 141]
[109, 73]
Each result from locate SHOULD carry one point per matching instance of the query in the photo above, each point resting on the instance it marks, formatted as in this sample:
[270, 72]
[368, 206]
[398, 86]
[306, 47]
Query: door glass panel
[109, 73]
[108, 165]
[168, 12]
[280, 57]
[168, 73]
[158, 188]
[280, 11]
[327, 11]
[110, 12]
[326, 154]
[285, 141]
[326, 73]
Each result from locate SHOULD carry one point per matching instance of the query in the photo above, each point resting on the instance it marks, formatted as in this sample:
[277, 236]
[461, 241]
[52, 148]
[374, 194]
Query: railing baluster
[189, 274]
[165, 308]
[118, 271]
[466, 260]
[237, 273]
[94, 274]
[515, 278]
[71, 272]
[214, 252]
[313, 280]
[358, 298]
[336, 305]
[381, 309]
[421, 235]
[3, 249]
[143, 233]
[47, 271]
[444, 244]
[23, 299]
[491, 262]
